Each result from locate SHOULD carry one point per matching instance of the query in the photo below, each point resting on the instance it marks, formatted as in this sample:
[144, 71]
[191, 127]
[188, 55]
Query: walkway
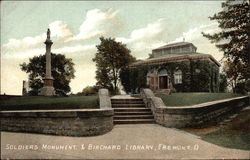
[144, 141]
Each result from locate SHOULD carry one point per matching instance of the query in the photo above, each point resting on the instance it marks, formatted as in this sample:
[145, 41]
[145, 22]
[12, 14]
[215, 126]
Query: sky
[76, 27]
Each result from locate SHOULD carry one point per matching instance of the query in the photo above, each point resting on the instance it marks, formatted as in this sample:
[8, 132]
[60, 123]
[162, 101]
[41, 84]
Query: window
[149, 75]
[178, 77]
[197, 70]
[162, 72]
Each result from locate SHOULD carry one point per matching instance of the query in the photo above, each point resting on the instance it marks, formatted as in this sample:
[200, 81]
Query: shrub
[242, 87]
[89, 90]
[223, 82]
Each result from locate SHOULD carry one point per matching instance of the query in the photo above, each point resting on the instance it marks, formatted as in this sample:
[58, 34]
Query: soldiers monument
[48, 89]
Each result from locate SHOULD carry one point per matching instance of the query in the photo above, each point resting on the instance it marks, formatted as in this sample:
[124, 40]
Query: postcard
[125, 80]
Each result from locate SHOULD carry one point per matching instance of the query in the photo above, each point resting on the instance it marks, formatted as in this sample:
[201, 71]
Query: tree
[232, 71]
[62, 71]
[125, 76]
[223, 82]
[233, 39]
[150, 55]
[110, 58]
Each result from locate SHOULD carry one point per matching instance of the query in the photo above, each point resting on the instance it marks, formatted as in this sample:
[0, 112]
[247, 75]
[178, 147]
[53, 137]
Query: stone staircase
[131, 111]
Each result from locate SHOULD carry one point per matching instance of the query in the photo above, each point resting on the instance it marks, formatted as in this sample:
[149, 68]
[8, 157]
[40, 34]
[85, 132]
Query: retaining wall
[76, 122]
[199, 115]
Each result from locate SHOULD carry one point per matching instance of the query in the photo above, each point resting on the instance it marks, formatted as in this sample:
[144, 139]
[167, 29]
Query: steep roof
[174, 58]
[172, 45]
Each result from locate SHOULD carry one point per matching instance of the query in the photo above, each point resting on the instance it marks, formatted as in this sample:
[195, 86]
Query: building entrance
[163, 82]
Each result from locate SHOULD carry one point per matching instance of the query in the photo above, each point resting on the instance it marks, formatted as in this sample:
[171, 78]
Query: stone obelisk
[48, 89]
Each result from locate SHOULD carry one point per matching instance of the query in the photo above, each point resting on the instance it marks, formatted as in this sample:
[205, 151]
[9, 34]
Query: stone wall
[199, 115]
[75, 122]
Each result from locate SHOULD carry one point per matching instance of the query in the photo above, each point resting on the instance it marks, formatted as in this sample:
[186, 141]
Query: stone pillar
[48, 89]
[24, 91]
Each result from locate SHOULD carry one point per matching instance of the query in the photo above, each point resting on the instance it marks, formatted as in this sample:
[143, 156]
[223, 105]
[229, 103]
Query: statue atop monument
[48, 33]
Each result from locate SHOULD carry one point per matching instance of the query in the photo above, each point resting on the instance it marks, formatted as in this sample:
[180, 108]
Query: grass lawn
[234, 134]
[40, 102]
[186, 99]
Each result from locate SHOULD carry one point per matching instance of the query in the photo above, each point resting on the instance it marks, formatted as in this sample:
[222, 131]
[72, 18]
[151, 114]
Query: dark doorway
[163, 82]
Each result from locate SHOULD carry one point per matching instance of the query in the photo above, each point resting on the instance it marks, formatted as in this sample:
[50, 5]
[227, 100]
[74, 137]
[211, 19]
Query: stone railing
[74, 122]
[198, 115]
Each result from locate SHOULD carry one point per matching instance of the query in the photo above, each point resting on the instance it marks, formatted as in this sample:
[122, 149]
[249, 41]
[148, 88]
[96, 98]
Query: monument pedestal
[48, 89]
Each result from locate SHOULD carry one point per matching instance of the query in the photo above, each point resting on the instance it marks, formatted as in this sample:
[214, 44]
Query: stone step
[128, 105]
[133, 113]
[118, 117]
[132, 109]
[127, 102]
[135, 121]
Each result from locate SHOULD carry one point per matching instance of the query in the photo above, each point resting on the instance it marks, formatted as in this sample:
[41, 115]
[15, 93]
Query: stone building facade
[177, 67]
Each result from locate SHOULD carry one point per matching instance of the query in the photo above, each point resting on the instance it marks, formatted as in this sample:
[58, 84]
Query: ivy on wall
[197, 76]
[207, 79]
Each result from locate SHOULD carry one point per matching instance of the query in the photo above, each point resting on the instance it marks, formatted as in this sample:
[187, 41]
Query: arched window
[162, 72]
[178, 77]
